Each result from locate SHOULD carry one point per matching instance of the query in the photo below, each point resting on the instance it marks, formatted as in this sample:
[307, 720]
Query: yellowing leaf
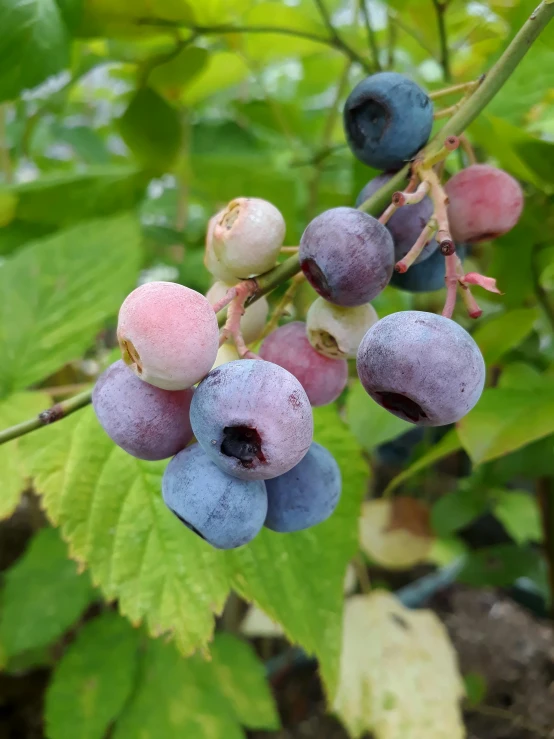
[395, 532]
[399, 678]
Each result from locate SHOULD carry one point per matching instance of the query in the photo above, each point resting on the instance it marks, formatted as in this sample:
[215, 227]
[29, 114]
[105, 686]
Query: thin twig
[422, 240]
[453, 89]
[235, 312]
[451, 280]
[5, 160]
[55, 413]
[282, 305]
[440, 9]
[371, 38]
[468, 149]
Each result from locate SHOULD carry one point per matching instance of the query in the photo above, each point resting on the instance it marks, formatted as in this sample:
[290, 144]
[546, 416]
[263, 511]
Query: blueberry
[426, 276]
[423, 368]
[398, 451]
[223, 510]
[406, 224]
[252, 418]
[387, 120]
[347, 256]
[306, 495]
[146, 421]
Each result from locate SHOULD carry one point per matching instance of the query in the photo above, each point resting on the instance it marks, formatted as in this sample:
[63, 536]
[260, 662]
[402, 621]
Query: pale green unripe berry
[337, 332]
[244, 239]
[253, 321]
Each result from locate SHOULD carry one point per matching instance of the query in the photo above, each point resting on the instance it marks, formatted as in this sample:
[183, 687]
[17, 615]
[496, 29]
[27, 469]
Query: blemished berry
[322, 378]
[426, 276]
[423, 368]
[484, 203]
[347, 256]
[406, 224]
[214, 265]
[168, 334]
[387, 120]
[245, 238]
[337, 332]
[252, 418]
[253, 321]
[306, 495]
[223, 510]
[146, 421]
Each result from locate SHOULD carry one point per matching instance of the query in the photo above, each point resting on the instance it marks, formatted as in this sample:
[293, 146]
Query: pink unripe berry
[336, 331]
[253, 321]
[168, 334]
[484, 203]
[246, 237]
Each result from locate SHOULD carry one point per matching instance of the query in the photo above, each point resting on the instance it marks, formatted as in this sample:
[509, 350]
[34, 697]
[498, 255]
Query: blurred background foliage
[124, 125]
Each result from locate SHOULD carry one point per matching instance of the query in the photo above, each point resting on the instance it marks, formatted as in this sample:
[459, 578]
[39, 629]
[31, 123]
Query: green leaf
[501, 333]
[109, 507]
[224, 69]
[151, 128]
[42, 596]
[179, 697]
[15, 409]
[111, 513]
[499, 566]
[62, 200]
[476, 688]
[263, 47]
[271, 571]
[170, 78]
[370, 423]
[34, 44]
[446, 446]
[521, 376]
[455, 510]
[505, 420]
[57, 292]
[242, 680]
[519, 514]
[93, 680]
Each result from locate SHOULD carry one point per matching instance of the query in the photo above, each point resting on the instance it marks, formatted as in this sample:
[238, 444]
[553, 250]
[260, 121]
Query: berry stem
[472, 307]
[281, 307]
[468, 149]
[235, 312]
[230, 295]
[411, 198]
[424, 237]
[453, 89]
[451, 280]
[440, 201]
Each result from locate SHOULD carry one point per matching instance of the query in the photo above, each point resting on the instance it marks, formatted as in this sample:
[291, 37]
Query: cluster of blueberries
[254, 462]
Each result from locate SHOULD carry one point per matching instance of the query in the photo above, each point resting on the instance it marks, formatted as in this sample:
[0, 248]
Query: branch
[372, 41]
[334, 40]
[440, 8]
[55, 413]
[378, 201]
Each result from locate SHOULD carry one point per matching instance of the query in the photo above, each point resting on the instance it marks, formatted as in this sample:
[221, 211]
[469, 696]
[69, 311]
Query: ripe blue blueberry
[387, 120]
[223, 510]
[306, 495]
[146, 421]
[347, 256]
[406, 224]
[398, 451]
[421, 367]
[252, 418]
[425, 276]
